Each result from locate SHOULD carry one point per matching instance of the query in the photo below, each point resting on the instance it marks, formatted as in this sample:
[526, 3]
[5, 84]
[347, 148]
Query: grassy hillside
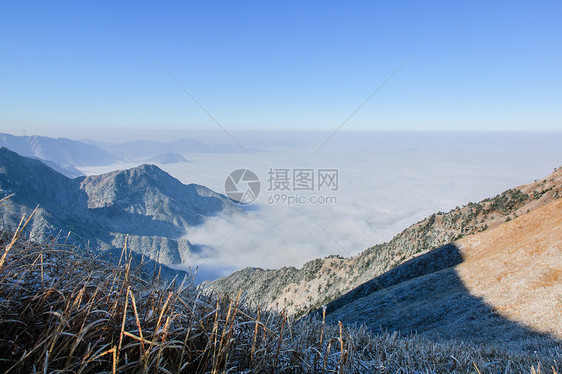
[321, 281]
[62, 312]
[501, 286]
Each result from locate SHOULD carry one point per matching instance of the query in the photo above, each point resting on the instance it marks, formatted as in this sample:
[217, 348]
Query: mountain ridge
[64, 152]
[497, 286]
[322, 281]
[143, 149]
[145, 204]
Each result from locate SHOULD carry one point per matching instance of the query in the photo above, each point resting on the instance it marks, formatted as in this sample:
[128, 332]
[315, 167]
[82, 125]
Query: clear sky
[476, 65]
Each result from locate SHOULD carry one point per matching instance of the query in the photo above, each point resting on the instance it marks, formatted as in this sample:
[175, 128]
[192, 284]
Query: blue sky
[284, 65]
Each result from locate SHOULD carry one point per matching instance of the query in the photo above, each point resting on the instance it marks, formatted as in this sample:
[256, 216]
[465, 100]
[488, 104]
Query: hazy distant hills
[65, 155]
[166, 158]
[142, 149]
[67, 170]
[145, 203]
[63, 152]
[322, 281]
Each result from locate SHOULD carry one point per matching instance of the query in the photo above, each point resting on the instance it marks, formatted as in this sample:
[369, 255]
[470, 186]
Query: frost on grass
[63, 311]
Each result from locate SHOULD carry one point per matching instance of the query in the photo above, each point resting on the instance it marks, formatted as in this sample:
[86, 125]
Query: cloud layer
[386, 183]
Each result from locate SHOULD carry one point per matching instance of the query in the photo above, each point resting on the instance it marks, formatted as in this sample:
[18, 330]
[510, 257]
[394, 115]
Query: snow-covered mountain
[144, 203]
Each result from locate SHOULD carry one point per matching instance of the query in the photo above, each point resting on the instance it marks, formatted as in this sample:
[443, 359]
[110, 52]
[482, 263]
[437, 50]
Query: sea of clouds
[386, 182]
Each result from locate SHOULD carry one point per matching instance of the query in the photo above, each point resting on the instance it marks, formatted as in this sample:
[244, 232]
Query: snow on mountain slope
[144, 203]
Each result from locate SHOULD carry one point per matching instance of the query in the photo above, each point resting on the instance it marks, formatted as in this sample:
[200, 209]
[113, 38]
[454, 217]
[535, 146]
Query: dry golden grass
[516, 267]
[65, 312]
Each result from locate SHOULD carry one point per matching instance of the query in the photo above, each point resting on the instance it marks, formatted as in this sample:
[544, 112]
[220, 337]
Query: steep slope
[67, 170]
[323, 280]
[145, 203]
[63, 152]
[500, 285]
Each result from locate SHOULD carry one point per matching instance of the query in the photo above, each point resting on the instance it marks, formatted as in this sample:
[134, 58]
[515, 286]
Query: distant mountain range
[142, 149]
[61, 151]
[66, 155]
[145, 204]
[166, 158]
[67, 170]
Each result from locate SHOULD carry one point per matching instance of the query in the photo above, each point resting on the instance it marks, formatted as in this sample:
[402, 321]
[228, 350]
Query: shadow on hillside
[426, 296]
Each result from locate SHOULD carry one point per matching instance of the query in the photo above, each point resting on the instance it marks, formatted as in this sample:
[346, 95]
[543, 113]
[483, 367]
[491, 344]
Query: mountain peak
[143, 203]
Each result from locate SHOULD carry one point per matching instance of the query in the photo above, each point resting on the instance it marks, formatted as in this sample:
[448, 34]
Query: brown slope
[517, 268]
[506, 289]
[321, 281]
